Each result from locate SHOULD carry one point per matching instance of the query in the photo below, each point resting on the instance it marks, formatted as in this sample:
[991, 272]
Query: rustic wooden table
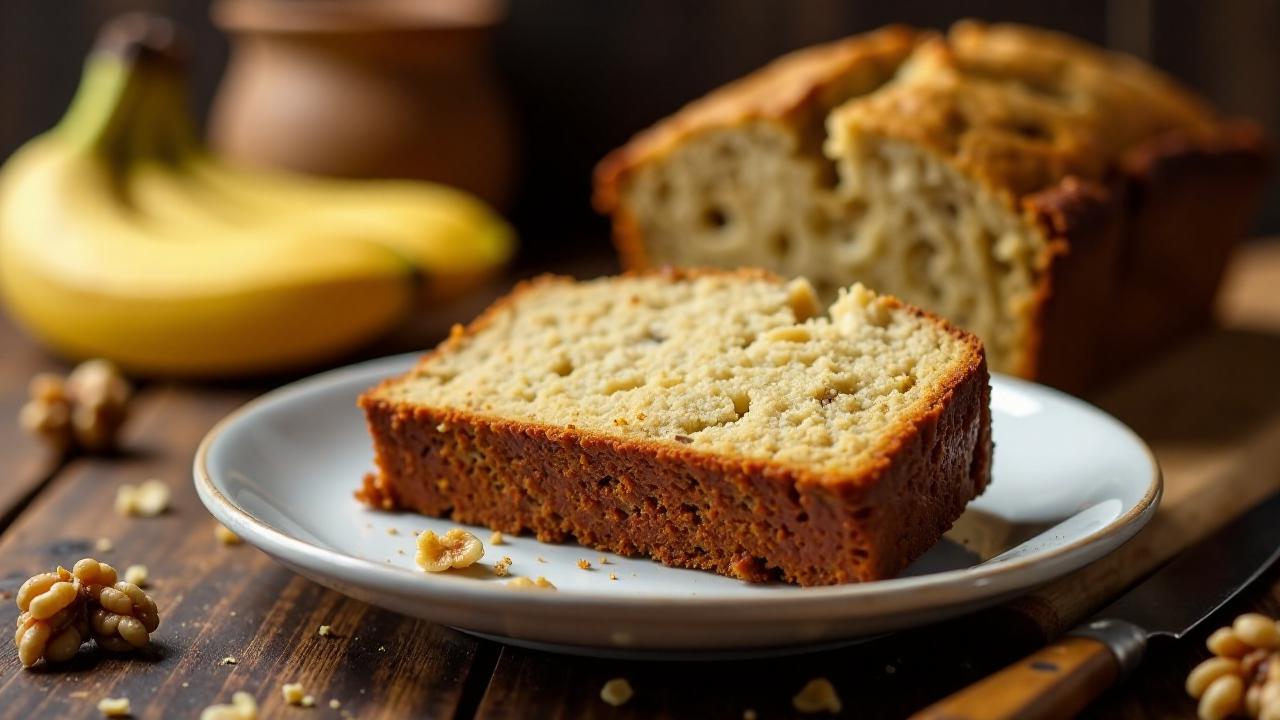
[1213, 406]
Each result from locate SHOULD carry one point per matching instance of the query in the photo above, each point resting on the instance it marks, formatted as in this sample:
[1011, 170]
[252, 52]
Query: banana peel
[122, 237]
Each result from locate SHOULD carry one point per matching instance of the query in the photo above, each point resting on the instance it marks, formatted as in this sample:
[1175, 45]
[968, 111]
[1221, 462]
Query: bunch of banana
[121, 237]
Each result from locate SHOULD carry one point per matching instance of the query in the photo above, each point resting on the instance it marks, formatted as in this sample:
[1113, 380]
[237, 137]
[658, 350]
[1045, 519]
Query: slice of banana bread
[712, 420]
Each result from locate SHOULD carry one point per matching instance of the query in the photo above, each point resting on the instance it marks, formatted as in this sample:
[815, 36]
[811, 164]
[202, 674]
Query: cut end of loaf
[930, 182]
[713, 420]
[899, 218]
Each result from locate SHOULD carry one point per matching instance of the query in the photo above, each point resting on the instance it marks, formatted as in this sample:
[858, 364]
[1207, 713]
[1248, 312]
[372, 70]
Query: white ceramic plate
[1070, 484]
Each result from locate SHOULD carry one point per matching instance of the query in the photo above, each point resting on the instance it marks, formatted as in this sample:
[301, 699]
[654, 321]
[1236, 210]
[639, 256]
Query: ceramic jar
[378, 88]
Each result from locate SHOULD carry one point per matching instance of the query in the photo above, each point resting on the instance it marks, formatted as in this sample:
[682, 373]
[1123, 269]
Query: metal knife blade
[1203, 578]
[1059, 680]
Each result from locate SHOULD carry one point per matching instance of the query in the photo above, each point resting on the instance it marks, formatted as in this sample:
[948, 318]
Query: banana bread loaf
[711, 420]
[1064, 203]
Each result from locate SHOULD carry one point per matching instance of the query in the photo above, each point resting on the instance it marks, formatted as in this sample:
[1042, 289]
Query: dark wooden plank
[886, 678]
[216, 601]
[24, 463]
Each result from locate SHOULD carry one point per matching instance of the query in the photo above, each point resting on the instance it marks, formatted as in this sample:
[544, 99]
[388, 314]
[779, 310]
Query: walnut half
[52, 624]
[121, 616]
[85, 410]
[62, 609]
[455, 549]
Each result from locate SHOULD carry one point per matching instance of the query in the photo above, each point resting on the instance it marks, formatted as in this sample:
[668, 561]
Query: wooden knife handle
[1057, 681]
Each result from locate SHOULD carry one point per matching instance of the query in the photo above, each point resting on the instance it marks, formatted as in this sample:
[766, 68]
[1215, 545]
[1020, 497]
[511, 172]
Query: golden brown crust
[1188, 203]
[1018, 109]
[749, 518]
[1081, 222]
[789, 90]
[1132, 100]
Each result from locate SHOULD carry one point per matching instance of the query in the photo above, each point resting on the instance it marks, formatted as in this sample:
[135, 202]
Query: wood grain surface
[1211, 411]
[25, 465]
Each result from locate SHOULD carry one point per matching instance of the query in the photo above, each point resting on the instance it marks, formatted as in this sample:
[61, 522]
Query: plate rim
[1024, 572]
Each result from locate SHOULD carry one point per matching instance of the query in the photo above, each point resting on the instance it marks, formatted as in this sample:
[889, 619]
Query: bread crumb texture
[716, 363]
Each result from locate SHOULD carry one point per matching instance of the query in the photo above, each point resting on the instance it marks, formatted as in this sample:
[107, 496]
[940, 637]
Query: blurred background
[580, 76]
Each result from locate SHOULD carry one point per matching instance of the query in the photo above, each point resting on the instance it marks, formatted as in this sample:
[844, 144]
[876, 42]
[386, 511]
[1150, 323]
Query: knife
[1060, 680]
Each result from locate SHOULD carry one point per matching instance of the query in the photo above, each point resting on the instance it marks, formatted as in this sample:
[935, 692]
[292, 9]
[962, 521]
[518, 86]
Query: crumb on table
[616, 692]
[225, 536]
[818, 695]
[115, 707]
[243, 707]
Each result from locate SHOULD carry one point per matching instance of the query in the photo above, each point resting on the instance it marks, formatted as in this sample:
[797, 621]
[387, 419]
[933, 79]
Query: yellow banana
[449, 235]
[87, 277]
[120, 237]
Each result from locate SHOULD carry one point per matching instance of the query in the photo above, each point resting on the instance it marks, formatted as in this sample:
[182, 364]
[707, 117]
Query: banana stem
[100, 112]
[130, 103]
